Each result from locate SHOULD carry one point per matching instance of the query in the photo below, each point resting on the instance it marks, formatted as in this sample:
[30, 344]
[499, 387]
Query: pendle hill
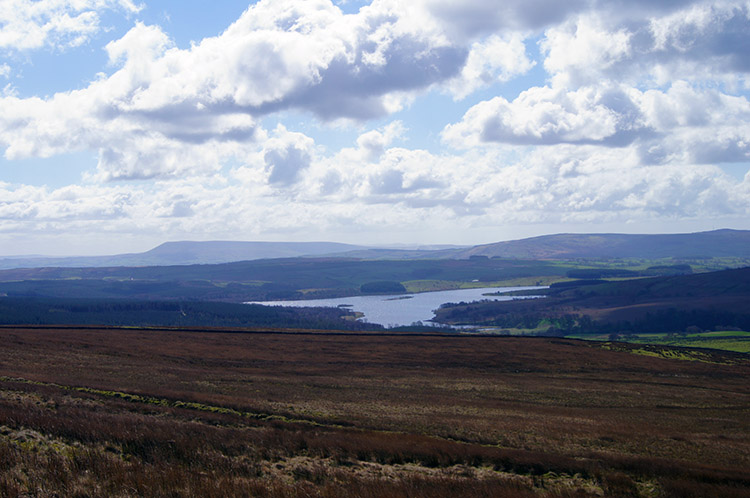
[723, 243]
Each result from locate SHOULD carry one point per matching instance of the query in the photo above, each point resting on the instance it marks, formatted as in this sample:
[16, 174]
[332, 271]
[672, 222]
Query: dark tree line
[49, 311]
[671, 320]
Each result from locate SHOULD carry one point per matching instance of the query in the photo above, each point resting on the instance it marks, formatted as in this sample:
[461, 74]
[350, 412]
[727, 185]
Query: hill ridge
[723, 242]
[715, 243]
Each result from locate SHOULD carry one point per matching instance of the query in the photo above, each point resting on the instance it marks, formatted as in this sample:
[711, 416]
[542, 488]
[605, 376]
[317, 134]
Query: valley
[627, 378]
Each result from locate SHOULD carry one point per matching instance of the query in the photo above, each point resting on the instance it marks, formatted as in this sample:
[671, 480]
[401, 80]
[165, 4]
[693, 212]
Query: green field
[726, 340]
[440, 285]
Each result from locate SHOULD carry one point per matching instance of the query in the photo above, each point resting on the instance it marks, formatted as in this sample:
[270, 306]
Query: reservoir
[405, 309]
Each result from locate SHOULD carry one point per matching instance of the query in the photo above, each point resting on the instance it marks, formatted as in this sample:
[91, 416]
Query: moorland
[137, 412]
[157, 381]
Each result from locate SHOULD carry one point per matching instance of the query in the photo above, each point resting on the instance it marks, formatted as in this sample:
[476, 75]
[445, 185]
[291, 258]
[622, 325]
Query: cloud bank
[59, 24]
[631, 113]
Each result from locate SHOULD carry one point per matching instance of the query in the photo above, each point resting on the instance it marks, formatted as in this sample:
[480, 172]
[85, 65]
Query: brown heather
[88, 412]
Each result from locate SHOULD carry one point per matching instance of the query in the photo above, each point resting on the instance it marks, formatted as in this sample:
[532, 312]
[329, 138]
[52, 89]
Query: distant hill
[714, 244]
[261, 279]
[188, 253]
[735, 282]
[658, 304]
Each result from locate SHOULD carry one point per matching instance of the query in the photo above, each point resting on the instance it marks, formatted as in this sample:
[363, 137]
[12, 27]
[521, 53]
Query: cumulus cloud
[560, 183]
[578, 52]
[491, 61]
[682, 124]
[544, 116]
[278, 55]
[42, 207]
[642, 100]
[288, 54]
[131, 145]
[471, 17]
[61, 24]
[696, 126]
[703, 41]
[286, 155]
[716, 35]
[404, 190]
[310, 56]
[373, 143]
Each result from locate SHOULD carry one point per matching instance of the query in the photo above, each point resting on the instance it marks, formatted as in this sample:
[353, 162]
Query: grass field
[115, 412]
[438, 285]
[727, 340]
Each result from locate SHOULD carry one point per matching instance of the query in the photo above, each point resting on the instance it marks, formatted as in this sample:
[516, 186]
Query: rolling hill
[658, 304]
[713, 244]
[264, 279]
[723, 243]
[188, 253]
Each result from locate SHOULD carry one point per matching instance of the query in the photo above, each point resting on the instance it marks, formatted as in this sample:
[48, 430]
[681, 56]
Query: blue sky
[124, 124]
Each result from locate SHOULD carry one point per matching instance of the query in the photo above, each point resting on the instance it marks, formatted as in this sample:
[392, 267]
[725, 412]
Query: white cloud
[139, 47]
[555, 184]
[703, 41]
[696, 126]
[373, 143]
[579, 51]
[545, 116]
[286, 156]
[26, 25]
[490, 61]
[713, 35]
[682, 125]
[625, 128]
[472, 17]
[4, 70]
[405, 190]
[130, 145]
[290, 54]
[278, 55]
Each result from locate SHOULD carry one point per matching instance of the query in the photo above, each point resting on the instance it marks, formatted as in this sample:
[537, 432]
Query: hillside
[94, 411]
[266, 279]
[659, 304]
[715, 244]
[151, 313]
[188, 253]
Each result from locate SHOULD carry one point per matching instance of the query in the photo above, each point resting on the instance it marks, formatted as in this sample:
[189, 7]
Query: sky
[126, 123]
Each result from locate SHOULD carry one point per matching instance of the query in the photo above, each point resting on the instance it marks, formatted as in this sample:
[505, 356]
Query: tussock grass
[168, 413]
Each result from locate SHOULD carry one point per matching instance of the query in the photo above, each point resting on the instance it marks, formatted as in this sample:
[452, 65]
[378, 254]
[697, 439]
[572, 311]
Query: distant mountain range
[717, 243]
[188, 253]
[714, 244]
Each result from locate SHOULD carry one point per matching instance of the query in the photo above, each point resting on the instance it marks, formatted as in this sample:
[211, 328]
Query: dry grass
[106, 412]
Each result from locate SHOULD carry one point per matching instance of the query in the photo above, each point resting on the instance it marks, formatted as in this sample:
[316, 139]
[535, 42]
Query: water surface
[405, 309]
